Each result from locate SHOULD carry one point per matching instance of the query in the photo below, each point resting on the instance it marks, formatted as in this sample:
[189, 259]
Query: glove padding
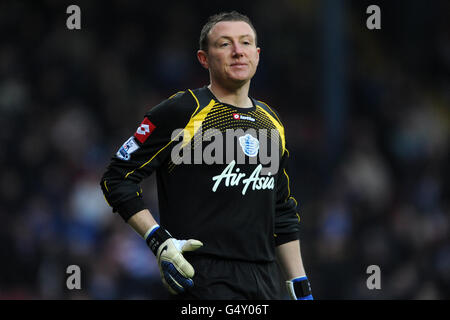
[176, 272]
[299, 289]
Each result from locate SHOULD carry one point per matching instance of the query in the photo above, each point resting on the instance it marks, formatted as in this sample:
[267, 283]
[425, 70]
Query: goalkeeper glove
[299, 288]
[176, 272]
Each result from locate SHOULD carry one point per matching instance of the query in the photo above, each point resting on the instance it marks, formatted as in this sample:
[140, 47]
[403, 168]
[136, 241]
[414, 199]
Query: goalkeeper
[223, 224]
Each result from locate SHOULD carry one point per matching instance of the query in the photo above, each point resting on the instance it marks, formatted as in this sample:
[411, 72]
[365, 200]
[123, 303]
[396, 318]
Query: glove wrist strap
[156, 237]
[302, 287]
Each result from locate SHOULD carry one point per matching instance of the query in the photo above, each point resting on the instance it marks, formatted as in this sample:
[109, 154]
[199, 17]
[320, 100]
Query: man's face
[232, 56]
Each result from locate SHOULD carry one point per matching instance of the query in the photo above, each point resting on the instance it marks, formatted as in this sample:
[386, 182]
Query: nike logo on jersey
[236, 178]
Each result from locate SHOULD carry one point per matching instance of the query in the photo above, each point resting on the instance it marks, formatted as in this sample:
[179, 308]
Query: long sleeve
[143, 153]
[286, 216]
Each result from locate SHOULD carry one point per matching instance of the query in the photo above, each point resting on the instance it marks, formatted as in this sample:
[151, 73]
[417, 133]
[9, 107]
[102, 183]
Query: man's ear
[202, 57]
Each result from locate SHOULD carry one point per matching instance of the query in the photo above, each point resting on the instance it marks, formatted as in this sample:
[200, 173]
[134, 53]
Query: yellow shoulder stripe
[131, 172]
[195, 122]
[279, 127]
[193, 119]
[175, 94]
[289, 189]
[270, 109]
[196, 100]
[106, 187]
[106, 200]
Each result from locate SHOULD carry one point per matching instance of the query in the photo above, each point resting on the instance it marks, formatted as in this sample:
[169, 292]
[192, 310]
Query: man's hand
[299, 289]
[176, 272]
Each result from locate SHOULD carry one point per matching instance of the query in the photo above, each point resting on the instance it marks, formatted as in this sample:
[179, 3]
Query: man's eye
[224, 44]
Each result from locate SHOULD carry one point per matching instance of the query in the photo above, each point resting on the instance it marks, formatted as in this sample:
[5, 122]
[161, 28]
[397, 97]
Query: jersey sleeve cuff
[129, 208]
[285, 237]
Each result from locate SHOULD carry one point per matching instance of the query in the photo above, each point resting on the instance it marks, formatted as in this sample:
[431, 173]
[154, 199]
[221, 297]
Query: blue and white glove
[299, 289]
[176, 272]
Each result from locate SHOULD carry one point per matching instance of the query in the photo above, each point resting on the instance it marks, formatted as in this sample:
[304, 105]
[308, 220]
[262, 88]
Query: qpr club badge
[250, 145]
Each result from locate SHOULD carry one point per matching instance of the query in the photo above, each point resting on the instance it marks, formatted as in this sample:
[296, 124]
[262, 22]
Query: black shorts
[220, 279]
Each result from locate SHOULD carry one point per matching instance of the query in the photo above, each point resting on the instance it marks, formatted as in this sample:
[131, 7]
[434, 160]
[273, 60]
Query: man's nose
[238, 50]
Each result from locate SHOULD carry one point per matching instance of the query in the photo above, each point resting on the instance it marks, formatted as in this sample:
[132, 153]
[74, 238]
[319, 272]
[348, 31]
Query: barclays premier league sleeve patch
[127, 149]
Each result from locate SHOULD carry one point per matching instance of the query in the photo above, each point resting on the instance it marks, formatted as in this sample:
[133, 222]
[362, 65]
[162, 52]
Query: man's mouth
[238, 64]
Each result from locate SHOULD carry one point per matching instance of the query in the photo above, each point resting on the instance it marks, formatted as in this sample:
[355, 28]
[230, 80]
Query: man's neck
[238, 98]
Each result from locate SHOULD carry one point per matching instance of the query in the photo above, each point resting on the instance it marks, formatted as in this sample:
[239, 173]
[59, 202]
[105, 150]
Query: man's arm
[290, 259]
[286, 238]
[138, 158]
[143, 153]
[142, 221]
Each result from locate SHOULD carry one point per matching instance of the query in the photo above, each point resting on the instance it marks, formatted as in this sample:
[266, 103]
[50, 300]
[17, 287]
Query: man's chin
[236, 83]
[240, 79]
[243, 77]
[233, 83]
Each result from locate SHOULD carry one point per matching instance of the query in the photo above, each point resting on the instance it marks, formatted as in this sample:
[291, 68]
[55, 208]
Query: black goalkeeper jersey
[221, 175]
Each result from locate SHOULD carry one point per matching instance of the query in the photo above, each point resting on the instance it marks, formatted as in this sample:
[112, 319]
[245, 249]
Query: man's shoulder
[267, 108]
[182, 98]
[179, 102]
[188, 99]
[179, 107]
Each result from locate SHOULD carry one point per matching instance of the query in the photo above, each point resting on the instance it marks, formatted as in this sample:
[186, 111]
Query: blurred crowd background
[366, 114]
